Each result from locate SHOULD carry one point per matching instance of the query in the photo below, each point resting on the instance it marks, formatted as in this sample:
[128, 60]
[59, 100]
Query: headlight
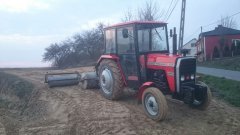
[192, 77]
[182, 78]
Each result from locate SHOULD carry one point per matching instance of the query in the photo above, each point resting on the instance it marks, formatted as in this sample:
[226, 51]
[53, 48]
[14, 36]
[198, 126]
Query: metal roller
[62, 79]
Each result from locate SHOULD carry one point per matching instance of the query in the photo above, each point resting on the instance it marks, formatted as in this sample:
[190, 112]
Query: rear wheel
[203, 105]
[155, 104]
[110, 79]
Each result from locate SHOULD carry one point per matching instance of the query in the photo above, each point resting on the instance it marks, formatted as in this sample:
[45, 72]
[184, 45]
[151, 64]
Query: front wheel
[204, 103]
[155, 104]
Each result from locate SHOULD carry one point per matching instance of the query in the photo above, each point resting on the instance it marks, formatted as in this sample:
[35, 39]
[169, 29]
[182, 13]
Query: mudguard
[142, 88]
[115, 58]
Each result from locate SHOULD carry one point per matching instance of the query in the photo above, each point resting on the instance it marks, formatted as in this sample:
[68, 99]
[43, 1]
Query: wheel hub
[106, 81]
[151, 104]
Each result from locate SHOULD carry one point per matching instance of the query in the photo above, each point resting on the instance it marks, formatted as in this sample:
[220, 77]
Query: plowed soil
[73, 111]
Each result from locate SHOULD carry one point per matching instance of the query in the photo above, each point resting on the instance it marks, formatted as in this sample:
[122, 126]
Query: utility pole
[201, 39]
[182, 21]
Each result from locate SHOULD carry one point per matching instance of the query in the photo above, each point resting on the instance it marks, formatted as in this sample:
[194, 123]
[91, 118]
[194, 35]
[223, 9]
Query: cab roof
[135, 22]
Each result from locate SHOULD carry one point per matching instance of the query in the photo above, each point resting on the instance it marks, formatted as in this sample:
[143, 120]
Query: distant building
[221, 41]
[190, 47]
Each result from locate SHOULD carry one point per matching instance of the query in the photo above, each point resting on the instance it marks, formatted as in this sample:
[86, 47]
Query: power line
[210, 24]
[193, 33]
[168, 9]
[172, 10]
[220, 20]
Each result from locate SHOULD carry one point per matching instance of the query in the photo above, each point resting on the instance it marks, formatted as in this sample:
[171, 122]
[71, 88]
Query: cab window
[110, 41]
[125, 44]
[144, 40]
[152, 39]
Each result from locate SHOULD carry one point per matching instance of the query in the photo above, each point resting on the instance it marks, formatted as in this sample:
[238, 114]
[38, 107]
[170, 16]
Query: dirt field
[70, 110]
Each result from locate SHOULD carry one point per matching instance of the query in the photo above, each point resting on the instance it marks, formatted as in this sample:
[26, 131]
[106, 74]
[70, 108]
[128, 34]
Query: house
[190, 47]
[220, 42]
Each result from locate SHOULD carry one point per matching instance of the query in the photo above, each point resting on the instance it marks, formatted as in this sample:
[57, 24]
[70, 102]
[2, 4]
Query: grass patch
[229, 90]
[232, 63]
[13, 86]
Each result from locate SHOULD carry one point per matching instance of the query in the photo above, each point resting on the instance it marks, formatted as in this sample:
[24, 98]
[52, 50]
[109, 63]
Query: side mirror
[171, 34]
[125, 33]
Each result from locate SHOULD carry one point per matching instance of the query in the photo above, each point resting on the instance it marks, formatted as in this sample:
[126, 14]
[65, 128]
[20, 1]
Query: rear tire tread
[118, 84]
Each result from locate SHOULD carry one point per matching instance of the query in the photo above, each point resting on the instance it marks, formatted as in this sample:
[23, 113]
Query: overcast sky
[29, 26]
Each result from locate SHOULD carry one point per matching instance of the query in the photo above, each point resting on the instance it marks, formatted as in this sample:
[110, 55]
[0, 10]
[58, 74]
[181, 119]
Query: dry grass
[13, 90]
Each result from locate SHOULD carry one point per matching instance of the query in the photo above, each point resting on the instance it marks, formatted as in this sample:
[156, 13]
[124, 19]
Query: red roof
[137, 22]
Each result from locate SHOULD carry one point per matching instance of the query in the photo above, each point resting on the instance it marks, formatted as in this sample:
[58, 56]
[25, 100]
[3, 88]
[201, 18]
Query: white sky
[29, 26]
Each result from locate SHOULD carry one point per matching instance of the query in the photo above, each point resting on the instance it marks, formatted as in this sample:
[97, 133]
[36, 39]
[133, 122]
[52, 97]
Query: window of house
[110, 41]
[236, 42]
[199, 47]
[192, 45]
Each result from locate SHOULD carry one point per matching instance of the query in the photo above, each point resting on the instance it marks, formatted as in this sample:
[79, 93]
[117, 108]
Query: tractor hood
[165, 62]
[161, 60]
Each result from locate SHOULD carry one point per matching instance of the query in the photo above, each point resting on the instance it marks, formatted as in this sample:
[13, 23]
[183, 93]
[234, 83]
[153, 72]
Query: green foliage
[226, 63]
[228, 90]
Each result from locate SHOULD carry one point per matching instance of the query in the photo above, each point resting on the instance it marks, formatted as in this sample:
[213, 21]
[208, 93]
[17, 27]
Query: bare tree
[87, 46]
[128, 16]
[228, 22]
[149, 12]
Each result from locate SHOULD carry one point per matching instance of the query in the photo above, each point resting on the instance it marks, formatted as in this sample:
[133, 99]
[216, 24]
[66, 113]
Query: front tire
[203, 105]
[110, 80]
[155, 104]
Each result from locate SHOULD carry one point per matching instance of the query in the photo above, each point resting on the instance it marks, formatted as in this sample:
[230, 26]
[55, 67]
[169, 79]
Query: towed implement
[62, 79]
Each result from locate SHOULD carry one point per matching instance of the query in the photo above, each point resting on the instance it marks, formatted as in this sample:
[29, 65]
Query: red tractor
[137, 56]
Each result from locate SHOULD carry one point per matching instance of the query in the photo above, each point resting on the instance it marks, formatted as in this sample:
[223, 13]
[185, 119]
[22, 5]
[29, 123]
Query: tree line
[86, 47]
[81, 48]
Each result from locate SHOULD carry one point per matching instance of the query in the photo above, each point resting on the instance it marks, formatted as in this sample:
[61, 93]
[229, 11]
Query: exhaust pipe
[174, 37]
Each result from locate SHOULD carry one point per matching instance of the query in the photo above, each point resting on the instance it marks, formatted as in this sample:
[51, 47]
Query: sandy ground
[70, 110]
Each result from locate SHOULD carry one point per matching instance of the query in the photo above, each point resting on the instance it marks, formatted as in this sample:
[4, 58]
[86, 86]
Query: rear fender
[114, 58]
[143, 88]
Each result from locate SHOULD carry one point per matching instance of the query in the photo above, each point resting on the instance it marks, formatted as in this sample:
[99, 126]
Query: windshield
[152, 39]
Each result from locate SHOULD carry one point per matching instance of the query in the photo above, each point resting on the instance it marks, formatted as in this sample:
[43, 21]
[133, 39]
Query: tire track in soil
[2, 129]
[100, 115]
[89, 113]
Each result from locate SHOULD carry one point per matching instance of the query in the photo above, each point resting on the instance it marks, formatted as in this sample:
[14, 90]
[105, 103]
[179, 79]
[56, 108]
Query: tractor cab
[131, 42]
